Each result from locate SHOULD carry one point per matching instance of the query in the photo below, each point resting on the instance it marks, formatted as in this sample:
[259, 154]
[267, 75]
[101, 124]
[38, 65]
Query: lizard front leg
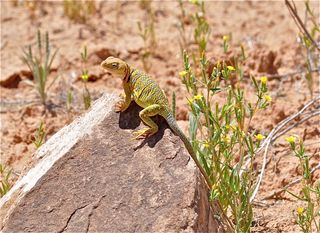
[124, 103]
[145, 115]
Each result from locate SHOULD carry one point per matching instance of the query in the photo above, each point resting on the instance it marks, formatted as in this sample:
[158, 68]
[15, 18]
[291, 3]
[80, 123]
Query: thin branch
[268, 141]
[295, 124]
[278, 192]
[280, 126]
[262, 171]
[266, 149]
[277, 76]
[298, 21]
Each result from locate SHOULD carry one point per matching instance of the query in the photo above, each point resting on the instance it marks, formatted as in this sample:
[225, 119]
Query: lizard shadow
[130, 119]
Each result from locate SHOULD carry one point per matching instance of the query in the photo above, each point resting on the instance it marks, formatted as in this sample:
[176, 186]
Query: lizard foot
[119, 106]
[143, 133]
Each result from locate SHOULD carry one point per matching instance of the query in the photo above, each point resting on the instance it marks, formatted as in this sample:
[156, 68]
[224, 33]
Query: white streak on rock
[60, 143]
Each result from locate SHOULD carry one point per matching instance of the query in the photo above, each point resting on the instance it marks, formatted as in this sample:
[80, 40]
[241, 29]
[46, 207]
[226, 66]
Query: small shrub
[40, 65]
[309, 39]
[307, 217]
[147, 33]
[39, 136]
[220, 135]
[202, 29]
[86, 96]
[69, 101]
[144, 34]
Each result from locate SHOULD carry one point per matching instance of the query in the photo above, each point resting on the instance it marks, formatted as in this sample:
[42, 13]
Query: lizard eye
[115, 65]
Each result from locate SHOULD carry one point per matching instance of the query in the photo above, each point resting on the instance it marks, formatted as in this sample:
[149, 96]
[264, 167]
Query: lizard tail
[176, 129]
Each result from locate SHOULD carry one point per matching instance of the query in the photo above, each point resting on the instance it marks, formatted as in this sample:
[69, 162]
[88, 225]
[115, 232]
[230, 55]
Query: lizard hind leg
[145, 115]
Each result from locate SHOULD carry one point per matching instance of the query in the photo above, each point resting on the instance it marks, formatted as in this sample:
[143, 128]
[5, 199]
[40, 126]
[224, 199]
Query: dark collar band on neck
[128, 74]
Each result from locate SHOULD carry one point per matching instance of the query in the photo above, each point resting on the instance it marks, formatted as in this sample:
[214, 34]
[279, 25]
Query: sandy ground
[265, 28]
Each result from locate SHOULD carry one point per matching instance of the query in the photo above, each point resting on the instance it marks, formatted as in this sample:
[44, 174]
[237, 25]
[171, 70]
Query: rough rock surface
[91, 177]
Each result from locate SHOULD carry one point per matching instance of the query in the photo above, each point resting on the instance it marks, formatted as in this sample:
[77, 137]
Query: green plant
[201, 32]
[69, 101]
[202, 29]
[146, 52]
[39, 136]
[182, 29]
[220, 135]
[147, 33]
[79, 10]
[40, 65]
[309, 39]
[5, 183]
[85, 77]
[226, 40]
[310, 193]
[150, 23]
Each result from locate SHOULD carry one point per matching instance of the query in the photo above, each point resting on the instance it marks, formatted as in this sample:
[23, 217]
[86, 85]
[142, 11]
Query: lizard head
[116, 67]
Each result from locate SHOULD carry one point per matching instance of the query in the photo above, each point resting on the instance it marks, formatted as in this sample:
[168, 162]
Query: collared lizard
[141, 88]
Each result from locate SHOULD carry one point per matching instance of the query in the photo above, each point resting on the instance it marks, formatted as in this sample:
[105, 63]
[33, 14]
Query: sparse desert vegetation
[242, 77]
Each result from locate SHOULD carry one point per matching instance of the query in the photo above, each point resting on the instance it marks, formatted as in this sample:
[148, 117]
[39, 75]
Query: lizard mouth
[108, 71]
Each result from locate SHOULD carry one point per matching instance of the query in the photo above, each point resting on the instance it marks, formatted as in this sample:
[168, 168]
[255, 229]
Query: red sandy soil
[266, 29]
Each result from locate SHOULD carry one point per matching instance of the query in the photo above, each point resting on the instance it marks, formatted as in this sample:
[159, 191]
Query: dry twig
[298, 21]
[296, 181]
[271, 137]
[278, 76]
[295, 124]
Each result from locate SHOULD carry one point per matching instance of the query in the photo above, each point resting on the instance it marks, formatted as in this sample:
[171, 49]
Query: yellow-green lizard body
[139, 87]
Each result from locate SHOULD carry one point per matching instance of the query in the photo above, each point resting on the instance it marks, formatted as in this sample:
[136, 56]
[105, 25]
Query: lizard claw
[119, 106]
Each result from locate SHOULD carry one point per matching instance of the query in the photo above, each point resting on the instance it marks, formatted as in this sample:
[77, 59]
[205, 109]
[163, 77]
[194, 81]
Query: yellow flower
[183, 73]
[260, 137]
[225, 38]
[264, 79]
[267, 98]
[197, 97]
[194, 2]
[231, 68]
[300, 210]
[85, 77]
[226, 139]
[206, 145]
[291, 139]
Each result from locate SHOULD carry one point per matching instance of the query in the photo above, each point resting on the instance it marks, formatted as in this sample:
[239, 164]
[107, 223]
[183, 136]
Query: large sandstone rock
[91, 177]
